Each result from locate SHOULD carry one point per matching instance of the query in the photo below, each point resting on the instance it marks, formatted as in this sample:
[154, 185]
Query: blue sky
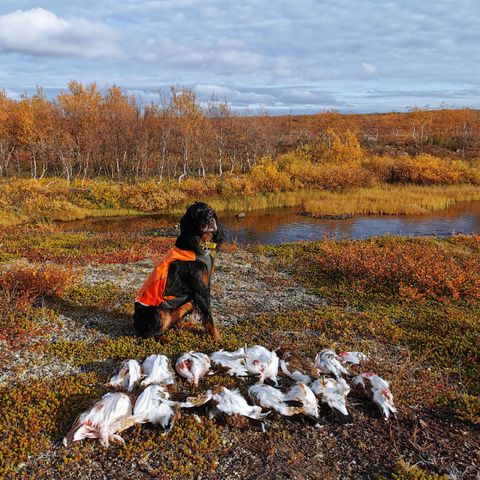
[282, 55]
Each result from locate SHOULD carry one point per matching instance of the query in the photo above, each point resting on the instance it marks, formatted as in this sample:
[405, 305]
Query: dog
[181, 280]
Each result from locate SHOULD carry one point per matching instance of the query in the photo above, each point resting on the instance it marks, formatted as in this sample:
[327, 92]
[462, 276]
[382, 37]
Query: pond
[281, 225]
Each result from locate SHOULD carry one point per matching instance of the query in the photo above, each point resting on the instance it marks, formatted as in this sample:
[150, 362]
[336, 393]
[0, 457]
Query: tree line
[86, 133]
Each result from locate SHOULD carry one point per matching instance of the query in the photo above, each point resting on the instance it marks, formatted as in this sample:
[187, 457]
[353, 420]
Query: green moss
[187, 451]
[464, 406]
[7, 257]
[39, 413]
[97, 295]
[403, 471]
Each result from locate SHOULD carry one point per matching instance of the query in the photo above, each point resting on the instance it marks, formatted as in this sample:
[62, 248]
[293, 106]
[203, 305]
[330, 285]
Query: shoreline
[382, 199]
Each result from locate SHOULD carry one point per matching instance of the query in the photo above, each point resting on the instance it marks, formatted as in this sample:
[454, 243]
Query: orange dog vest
[152, 291]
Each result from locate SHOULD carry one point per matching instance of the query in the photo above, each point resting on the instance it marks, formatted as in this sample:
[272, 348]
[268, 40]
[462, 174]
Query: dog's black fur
[199, 225]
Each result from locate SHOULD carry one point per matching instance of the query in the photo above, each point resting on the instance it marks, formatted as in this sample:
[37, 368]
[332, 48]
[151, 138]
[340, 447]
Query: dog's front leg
[201, 298]
[202, 301]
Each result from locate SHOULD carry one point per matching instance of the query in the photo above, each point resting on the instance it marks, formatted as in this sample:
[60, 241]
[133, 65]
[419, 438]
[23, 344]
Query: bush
[22, 285]
[267, 178]
[425, 169]
[233, 185]
[415, 270]
[197, 187]
[403, 471]
[151, 196]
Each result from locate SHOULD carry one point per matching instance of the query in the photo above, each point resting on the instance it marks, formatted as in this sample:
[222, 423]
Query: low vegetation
[411, 304]
[388, 200]
[291, 180]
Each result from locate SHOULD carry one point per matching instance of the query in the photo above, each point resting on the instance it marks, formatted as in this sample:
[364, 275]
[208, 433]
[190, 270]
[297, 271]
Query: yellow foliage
[197, 187]
[150, 196]
[235, 185]
[336, 149]
[428, 169]
[267, 178]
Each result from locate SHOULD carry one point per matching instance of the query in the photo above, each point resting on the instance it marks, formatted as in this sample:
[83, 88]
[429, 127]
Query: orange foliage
[266, 177]
[85, 134]
[426, 169]
[413, 270]
[21, 285]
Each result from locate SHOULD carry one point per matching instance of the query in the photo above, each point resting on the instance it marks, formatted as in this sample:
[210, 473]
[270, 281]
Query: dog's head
[200, 224]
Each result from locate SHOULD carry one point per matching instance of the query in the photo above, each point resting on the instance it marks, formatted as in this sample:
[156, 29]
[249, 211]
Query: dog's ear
[187, 224]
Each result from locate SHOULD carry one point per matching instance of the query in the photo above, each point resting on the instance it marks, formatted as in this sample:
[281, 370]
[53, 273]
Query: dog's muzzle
[210, 225]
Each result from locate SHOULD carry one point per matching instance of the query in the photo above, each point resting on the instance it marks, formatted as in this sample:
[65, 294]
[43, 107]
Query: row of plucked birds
[114, 413]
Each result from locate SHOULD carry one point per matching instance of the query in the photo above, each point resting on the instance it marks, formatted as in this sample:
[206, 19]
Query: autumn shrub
[266, 177]
[20, 319]
[233, 185]
[151, 196]
[198, 187]
[338, 148]
[415, 270]
[330, 175]
[464, 406]
[427, 169]
[404, 471]
[37, 200]
[96, 194]
[379, 167]
[21, 285]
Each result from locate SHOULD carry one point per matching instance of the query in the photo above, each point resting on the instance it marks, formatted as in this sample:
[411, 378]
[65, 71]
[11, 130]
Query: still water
[281, 225]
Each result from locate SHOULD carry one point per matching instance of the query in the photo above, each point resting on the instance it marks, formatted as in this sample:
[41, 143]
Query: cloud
[303, 55]
[369, 69]
[39, 32]
[224, 56]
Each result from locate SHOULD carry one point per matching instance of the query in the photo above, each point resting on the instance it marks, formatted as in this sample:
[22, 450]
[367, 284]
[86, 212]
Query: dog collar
[211, 248]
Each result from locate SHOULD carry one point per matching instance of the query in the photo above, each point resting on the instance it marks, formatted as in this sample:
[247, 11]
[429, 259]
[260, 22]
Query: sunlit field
[410, 304]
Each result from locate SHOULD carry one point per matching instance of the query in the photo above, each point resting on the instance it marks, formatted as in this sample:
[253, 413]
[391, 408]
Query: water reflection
[285, 225]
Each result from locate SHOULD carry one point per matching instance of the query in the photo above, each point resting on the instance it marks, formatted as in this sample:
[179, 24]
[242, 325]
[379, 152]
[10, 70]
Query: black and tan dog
[181, 279]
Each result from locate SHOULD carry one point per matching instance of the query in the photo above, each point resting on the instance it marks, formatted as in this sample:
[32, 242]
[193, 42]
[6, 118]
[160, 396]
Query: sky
[282, 56]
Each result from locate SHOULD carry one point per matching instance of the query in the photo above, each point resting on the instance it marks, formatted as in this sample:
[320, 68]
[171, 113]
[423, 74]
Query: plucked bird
[105, 420]
[234, 362]
[303, 396]
[297, 366]
[262, 362]
[149, 407]
[270, 398]
[327, 361]
[380, 390]
[231, 407]
[158, 371]
[128, 376]
[193, 366]
[334, 394]
[355, 358]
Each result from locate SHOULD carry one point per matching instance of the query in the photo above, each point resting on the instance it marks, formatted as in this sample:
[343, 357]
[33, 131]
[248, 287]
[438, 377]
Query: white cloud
[369, 69]
[39, 32]
[225, 56]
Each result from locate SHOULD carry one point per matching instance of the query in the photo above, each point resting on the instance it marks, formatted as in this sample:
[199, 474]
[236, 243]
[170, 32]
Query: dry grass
[390, 200]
